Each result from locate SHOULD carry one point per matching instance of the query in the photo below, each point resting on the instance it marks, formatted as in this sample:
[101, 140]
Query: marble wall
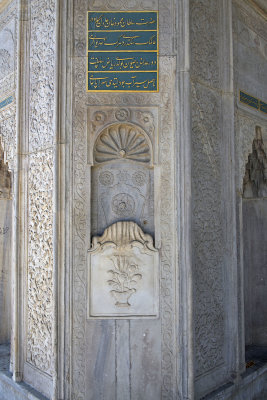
[178, 202]
[212, 191]
[5, 269]
[40, 159]
[134, 358]
[250, 62]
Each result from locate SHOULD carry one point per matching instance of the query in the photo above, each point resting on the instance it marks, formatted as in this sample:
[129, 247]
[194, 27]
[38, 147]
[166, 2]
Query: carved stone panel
[122, 176]
[153, 368]
[122, 191]
[123, 273]
[102, 121]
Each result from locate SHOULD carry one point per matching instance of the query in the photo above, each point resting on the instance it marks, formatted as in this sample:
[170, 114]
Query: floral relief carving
[124, 259]
[207, 231]
[124, 277]
[205, 40]
[106, 178]
[40, 261]
[122, 114]
[79, 212]
[146, 119]
[42, 72]
[99, 119]
[123, 204]
[122, 190]
[40, 186]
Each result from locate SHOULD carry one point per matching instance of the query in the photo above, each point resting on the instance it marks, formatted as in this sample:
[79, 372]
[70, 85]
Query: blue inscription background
[123, 51]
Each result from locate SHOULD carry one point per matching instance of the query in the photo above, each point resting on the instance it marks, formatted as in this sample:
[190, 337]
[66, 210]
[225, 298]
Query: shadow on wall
[254, 241]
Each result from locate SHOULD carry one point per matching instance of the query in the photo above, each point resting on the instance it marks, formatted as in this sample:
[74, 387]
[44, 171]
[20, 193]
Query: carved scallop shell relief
[122, 141]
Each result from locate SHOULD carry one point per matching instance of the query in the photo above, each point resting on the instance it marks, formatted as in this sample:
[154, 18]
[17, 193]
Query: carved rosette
[123, 273]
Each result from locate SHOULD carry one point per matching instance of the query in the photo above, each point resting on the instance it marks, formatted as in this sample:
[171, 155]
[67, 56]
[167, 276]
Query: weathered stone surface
[5, 269]
[255, 270]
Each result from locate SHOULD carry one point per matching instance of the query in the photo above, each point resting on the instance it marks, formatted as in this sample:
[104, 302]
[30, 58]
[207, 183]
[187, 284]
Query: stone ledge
[252, 387]
[10, 390]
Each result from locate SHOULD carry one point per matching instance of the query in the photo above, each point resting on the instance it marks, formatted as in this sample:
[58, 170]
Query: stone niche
[123, 262]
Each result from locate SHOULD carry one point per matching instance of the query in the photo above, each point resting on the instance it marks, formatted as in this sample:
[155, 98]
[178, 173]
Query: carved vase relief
[124, 277]
[123, 273]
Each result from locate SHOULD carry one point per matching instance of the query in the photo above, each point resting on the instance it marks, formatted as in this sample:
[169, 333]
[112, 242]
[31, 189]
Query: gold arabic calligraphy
[124, 40]
[106, 22]
[117, 83]
[121, 63]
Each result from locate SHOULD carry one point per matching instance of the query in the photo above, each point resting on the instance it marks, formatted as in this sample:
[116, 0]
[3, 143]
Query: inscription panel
[123, 51]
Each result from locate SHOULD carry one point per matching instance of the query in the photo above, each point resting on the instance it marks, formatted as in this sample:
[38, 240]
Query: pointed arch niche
[122, 177]
[254, 210]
